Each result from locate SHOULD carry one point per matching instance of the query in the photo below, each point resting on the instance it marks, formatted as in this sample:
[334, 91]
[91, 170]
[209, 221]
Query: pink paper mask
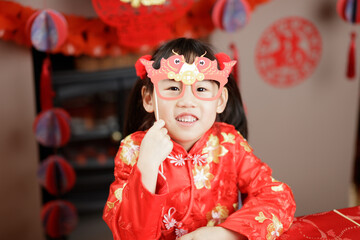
[176, 68]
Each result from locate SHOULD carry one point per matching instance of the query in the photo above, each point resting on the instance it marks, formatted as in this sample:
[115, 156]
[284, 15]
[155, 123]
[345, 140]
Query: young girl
[181, 172]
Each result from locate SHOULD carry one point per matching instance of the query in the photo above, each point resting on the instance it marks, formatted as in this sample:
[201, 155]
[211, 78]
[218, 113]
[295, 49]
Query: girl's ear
[222, 100]
[147, 98]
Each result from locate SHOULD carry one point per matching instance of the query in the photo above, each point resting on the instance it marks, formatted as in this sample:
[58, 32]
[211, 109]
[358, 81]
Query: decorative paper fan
[144, 25]
[52, 127]
[59, 218]
[48, 30]
[349, 10]
[56, 175]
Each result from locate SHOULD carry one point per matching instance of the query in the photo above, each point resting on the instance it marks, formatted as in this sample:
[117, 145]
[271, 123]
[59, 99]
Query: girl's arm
[134, 207]
[269, 207]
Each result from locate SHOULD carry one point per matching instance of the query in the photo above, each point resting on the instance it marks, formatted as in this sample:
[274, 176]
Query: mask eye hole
[202, 62]
[177, 61]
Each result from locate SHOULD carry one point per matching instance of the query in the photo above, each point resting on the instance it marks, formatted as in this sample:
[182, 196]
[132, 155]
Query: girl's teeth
[186, 119]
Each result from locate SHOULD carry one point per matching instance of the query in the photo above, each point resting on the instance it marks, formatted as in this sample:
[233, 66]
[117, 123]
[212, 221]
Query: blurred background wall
[306, 133]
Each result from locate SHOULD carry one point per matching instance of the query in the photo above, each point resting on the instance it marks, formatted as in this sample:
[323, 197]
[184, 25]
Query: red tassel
[351, 58]
[235, 57]
[46, 92]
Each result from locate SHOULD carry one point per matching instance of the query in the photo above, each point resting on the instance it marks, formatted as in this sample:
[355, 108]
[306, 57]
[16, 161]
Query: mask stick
[157, 118]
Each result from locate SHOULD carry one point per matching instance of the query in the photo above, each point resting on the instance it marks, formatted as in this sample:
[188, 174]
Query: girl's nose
[188, 99]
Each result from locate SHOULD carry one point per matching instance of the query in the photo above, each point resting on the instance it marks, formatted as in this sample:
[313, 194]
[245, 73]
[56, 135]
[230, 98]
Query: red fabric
[326, 225]
[201, 188]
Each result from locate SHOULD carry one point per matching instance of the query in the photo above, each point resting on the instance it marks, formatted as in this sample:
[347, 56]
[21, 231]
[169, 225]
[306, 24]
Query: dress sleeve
[131, 211]
[268, 208]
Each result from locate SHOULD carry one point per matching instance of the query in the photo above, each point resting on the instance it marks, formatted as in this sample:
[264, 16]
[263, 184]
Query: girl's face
[186, 118]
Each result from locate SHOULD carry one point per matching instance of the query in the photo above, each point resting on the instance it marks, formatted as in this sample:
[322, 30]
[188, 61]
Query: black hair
[137, 119]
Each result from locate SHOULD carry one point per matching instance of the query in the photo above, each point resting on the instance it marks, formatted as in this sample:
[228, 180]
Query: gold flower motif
[137, 3]
[110, 205]
[274, 229]
[130, 151]
[202, 176]
[261, 218]
[228, 138]
[118, 192]
[246, 146]
[214, 149]
[278, 188]
[217, 215]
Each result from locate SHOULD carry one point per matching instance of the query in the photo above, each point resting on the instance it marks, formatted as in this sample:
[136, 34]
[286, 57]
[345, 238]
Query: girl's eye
[173, 88]
[177, 61]
[201, 89]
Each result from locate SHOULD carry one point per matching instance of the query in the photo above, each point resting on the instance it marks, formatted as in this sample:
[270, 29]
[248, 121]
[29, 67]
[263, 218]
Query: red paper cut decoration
[47, 30]
[52, 127]
[288, 52]
[59, 218]
[230, 15]
[349, 10]
[56, 175]
[145, 25]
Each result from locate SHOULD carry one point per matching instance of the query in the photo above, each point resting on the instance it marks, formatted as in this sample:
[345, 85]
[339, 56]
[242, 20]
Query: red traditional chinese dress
[198, 188]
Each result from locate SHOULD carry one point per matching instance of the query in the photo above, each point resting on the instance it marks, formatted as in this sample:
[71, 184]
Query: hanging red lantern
[231, 15]
[348, 10]
[56, 175]
[59, 218]
[143, 25]
[52, 127]
[47, 30]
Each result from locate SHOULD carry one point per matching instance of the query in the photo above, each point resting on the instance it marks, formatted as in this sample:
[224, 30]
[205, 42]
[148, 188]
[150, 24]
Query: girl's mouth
[186, 118]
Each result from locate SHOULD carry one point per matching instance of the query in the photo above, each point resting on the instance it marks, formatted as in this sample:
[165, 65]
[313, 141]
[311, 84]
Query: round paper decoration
[144, 25]
[231, 15]
[52, 127]
[59, 218]
[288, 52]
[47, 30]
[56, 175]
[349, 10]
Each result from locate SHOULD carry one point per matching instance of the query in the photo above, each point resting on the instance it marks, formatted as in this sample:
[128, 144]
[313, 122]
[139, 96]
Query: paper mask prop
[203, 75]
[59, 218]
[56, 175]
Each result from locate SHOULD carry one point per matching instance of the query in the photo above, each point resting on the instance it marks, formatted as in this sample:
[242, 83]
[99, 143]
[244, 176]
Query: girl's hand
[154, 149]
[212, 233]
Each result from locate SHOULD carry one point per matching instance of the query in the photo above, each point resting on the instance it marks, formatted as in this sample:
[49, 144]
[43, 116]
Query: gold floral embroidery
[246, 146]
[110, 205]
[118, 192]
[278, 188]
[214, 149]
[274, 180]
[130, 151]
[137, 3]
[217, 215]
[202, 176]
[228, 138]
[261, 218]
[274, 229]
[118, 195]
[235, 206]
